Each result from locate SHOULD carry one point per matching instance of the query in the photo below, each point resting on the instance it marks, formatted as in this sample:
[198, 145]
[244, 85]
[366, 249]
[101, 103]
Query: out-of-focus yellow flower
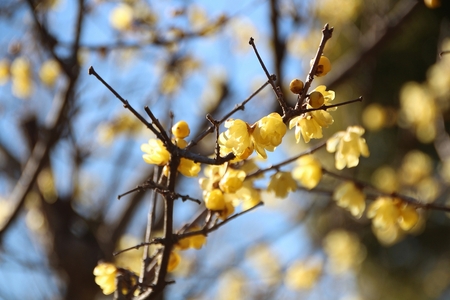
[344, 250]
[351, 198]
[268, 133]
[428, 189]
[418, 110]
[232, 285]
[188, 167]
[374, 117]
[196, 241]
[228, 210]
[348, 145]
[155, 152]
[236, 139]
[4, 71]
[22, 83]
[197, 17]
[121, 17]
[248, 195]
[391, 218]
[415, 166]
[174, 261]
[302, 275]
[265, 263]
[281, 183]
[308, 172]
[232, 180]
[49, 72]
[105, 277]
[385, 179]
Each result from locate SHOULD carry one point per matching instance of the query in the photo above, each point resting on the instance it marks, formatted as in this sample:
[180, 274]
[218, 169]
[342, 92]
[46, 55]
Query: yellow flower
[232, 180]
[236, 139]
[310, 124]
[281, 183]
[105, 277]
[49, 72]
[301, 275]
[348, 145]
[196, 241]
[248, 195]
[4, 71]
[21, 78]
[344, 250]
[327, 95]
[214, 199]
[323, 67]
[268, 133]
[121, 17]
[188, 167]
[181, 129]
[391, 218]
[156, 152]
[350, 197]
[308, 172]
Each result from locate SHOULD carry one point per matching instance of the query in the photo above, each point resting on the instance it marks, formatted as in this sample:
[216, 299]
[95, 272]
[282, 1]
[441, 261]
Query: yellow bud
[174, 261]
[214, 200]
[181, 130]
[316, 99]
[296, 86]
[323, 67]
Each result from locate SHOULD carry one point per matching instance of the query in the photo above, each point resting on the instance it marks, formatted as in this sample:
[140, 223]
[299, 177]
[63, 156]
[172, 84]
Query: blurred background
[68, 148]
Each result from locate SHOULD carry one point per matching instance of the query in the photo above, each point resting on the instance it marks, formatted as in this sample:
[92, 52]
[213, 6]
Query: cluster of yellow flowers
[157, 154]
[310, 124]
[224, 189]
[242, 139]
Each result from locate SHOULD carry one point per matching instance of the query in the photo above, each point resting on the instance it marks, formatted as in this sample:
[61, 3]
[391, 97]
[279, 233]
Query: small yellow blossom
[374, 117]
[105, 277]
[121, 17]
[328, 96]
[268, 133]
[174, 261]
[309, 125]
[196, 241]
[4, 71]
[228, 209]
[323, 67]
[188, 167]
[232, 180]
[302, 275]
[181, 129]
[155, 152]
[281, 183]
[416, 165]
[21, 76]
[344, 250]
[214, 200]
[391, 218]
[308, 172]
[236, 139]
[248, 195]
[49, 72]
[385, 179]
[351, 198]
[348, 145]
